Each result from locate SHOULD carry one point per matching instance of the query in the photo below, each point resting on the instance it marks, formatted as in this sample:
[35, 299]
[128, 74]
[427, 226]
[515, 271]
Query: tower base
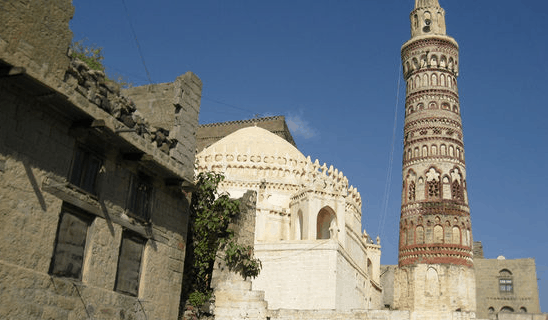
[436, 288]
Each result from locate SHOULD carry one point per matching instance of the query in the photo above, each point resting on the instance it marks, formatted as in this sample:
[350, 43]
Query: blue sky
[333, 69]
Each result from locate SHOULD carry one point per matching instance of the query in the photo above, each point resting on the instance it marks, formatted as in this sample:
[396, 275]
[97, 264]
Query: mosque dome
[254, 154]
[257, 141]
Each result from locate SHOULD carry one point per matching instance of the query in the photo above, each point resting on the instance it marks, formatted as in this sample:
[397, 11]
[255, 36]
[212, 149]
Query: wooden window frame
[140, 197]
[85, 169]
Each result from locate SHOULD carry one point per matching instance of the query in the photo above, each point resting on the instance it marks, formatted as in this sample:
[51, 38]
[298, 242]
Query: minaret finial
[428, 18]
[426, 3]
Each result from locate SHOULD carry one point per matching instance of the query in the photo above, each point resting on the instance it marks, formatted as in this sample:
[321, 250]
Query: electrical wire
[388, 184]
[136, 41]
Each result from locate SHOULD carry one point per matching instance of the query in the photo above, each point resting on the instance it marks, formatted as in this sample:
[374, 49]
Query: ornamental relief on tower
[430, 62]
[433, 231]
[433, 46]
[434, 185]
[429, 79]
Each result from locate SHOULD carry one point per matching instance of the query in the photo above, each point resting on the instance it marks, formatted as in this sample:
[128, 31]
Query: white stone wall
[310, 275]
[298, 275]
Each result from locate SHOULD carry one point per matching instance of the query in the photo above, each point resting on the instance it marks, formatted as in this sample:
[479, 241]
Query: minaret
[435, 271]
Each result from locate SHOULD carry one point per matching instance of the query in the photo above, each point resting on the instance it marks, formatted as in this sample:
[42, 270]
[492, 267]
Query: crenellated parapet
[285, 172]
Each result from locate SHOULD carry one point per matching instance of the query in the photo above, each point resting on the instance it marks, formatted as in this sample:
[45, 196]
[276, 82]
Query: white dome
[254, 141]
[254, 154]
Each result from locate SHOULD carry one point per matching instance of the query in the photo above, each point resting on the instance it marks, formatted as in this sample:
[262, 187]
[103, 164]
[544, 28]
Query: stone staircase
[234, 299]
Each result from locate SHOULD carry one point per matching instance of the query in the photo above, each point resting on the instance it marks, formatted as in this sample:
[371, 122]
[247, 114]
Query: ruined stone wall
[244, 234]
[175, 107]
[387, 283]
[36, 35]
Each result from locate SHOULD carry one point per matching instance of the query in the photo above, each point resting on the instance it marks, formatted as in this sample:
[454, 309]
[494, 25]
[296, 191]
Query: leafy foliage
[211, 214]
[92, 55]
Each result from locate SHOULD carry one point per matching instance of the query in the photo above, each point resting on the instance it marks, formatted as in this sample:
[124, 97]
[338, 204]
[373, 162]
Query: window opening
[68, 256]
[85, 168]
[140, 197]
[129, 263]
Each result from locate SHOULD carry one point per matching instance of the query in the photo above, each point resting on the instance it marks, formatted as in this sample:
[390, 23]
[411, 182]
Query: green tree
[211, 214]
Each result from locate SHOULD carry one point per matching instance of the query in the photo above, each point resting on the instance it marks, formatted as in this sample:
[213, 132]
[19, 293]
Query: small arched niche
[299, 226]
[326, 225]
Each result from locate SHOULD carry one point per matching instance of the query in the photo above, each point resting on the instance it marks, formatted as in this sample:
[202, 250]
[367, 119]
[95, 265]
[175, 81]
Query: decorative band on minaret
[435, 228]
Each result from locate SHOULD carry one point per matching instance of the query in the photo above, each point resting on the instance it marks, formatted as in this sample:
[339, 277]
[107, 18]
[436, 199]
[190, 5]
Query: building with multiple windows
[93, 209]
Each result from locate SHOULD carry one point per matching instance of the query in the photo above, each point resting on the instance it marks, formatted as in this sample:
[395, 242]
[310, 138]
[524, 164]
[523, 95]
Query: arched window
[299, 227]
[369, 268]
[434, 61]
[506, 283]
[411, 191]
[456, 191]
[420, 235]
[456, 235]
[410, 237]
[506, 309]
[326, 224]
[432, 283]
[433, 183]
[523, 310]
[467, 238]
[438, 234]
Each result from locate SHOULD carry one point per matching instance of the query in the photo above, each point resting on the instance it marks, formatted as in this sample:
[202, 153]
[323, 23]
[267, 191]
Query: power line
[136, 41]
[387, 186]
[227, 104]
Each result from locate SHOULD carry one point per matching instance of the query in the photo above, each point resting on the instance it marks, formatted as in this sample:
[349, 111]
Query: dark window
[85, 168]
[129, 263]
[68, 256]
[140, 197]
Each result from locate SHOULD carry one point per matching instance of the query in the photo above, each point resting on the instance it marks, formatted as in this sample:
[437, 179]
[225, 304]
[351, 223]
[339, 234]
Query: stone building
[93, 212]
[505, 286]
[308, 231]
[435, 274]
